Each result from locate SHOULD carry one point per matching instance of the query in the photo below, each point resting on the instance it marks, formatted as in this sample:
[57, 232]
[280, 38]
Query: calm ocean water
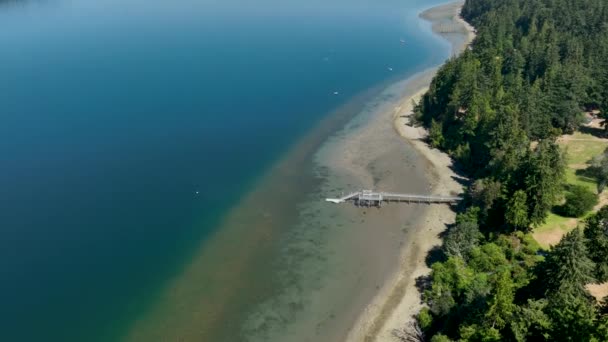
[128, 128]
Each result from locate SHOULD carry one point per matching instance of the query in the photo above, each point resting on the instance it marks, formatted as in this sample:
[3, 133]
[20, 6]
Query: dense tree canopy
[596, 233]
[534, 68]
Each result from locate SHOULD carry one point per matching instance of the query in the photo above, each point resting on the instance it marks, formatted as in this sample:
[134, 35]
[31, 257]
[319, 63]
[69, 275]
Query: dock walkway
[369, 197]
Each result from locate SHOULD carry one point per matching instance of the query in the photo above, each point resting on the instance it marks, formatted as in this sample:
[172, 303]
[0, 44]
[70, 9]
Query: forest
[536, 70]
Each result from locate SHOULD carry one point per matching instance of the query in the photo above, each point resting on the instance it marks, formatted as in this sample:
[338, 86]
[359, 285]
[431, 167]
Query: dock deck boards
[373, 197]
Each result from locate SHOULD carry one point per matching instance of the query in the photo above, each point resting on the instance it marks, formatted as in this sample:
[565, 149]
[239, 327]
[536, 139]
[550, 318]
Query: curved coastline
[307, 236]
[333, 261]
[399, 300]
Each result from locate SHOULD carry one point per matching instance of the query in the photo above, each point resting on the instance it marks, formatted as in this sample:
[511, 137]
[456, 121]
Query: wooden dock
[373, 198]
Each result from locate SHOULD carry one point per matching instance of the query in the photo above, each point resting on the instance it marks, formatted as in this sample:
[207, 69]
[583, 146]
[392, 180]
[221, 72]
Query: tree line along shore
[537, 71]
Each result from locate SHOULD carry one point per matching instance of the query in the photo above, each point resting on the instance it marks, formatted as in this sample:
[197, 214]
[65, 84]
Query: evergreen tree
[517, 210]
[573, 317]
[567, 268]
[484, 193]
[531, 323]
[543, 176]
[596, 233]
[435, 134]
[501, 307]
[508, 144]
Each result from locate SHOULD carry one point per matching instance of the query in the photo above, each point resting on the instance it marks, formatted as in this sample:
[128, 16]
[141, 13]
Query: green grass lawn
[573, 179]
[580, 149]
[554, 221]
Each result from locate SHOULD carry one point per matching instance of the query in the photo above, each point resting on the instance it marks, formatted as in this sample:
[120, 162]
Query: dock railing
[373, 197]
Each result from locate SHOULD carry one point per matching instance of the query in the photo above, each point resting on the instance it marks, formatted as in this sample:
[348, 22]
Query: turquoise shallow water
[130, 127]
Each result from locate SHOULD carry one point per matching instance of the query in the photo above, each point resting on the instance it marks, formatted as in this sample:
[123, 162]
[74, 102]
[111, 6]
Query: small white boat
[402, 41]
[336, 92]
[390, 69]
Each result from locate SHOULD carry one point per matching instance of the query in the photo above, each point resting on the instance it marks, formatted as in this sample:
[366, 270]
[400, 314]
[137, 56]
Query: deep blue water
[114, 114]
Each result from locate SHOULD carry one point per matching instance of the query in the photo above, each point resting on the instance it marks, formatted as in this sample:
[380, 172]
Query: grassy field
[579, 148]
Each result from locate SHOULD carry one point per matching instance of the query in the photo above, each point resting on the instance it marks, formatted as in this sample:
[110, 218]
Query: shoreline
[313, 267]
[399, 300]
[180, 311]
[185, 312]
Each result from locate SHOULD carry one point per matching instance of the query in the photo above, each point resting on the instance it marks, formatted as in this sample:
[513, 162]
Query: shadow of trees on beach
[465, 182]
[423, 283]
[436, 254]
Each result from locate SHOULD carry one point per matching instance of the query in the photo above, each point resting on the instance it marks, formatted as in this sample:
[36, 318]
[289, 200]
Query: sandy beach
[398, 300]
